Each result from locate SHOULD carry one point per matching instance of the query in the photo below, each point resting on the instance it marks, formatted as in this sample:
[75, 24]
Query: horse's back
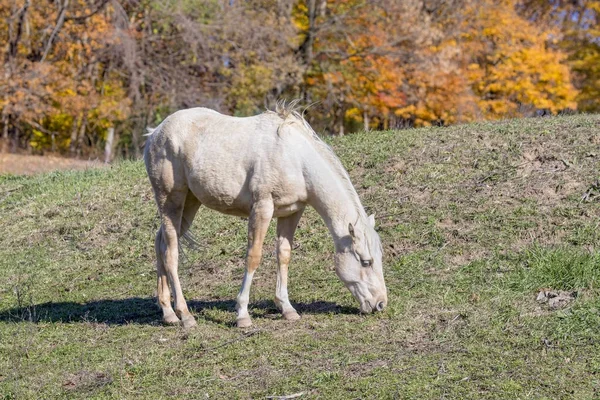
[227, 162]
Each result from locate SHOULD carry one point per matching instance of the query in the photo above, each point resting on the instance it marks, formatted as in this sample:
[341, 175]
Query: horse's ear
[351, 230]
[372, 220]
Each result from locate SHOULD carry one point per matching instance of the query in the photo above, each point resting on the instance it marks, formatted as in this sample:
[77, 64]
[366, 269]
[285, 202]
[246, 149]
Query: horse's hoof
[170, 319]
[291, 316]
[244, 322]
[189, 322]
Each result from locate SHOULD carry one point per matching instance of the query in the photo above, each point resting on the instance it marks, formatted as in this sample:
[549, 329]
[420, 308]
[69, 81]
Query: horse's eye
[366, 263]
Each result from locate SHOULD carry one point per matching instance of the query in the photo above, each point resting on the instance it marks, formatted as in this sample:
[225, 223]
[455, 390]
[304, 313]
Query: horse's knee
[253, 259]
[284, 252]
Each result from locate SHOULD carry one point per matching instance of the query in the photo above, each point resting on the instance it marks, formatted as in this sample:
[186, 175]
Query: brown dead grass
[20, 164]
[86, 381]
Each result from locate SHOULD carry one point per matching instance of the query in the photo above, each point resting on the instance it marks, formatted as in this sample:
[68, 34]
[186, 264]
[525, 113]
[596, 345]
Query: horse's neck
[335, 202]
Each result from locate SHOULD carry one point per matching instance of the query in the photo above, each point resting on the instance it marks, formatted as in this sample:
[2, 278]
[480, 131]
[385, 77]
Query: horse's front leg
[286, 226]
[258, 224]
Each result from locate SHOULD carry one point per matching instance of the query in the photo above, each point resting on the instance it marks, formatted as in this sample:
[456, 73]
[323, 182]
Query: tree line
[74, 70]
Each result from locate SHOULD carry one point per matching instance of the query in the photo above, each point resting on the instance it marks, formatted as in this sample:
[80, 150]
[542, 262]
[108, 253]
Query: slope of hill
[476, 221]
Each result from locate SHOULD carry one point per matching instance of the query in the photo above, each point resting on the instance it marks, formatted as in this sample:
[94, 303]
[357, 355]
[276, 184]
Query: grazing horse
[269, 165]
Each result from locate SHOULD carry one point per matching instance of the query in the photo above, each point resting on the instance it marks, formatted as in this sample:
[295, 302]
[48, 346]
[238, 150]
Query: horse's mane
[288, 112]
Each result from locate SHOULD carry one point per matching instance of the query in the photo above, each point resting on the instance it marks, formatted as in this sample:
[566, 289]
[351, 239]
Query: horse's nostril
[380, 306]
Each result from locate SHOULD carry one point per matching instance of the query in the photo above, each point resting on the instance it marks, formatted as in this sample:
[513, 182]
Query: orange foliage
[74, 68]
[57, 80]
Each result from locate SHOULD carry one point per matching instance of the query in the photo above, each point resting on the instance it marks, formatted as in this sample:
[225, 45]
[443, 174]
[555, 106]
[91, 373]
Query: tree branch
[41, 128]
[13, 45]
[59, 23]
[82, 18]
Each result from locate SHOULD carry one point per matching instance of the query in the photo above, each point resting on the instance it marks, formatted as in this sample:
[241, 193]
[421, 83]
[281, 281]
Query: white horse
[269, 165]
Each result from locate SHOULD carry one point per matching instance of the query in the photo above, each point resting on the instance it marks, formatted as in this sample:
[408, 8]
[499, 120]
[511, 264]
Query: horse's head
[358, 264]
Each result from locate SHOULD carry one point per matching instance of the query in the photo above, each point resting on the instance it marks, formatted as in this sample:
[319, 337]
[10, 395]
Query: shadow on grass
[138, 310]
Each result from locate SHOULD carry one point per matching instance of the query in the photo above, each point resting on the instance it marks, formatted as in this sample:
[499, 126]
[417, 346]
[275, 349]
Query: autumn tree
[511, 68]
[75, 69]
[577, 33]
[351, 64]
[59, 89]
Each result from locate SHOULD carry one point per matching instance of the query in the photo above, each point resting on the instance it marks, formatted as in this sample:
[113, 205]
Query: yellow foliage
[514, 70]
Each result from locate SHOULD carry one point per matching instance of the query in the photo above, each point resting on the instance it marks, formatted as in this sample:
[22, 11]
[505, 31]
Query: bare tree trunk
[306, 47]
[14, 41]
[310, 35]
[74, 130]
[14, 145]
[11, 54]
[108, 147]
[81, 134]
[342, 118]
[366, 121]
[135, 139]
[5, 122]
[338, 123]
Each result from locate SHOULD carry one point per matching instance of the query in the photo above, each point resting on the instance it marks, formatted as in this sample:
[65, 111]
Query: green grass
[475, 221]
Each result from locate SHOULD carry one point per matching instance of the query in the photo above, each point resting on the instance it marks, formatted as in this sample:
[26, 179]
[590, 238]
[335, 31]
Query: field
[476, 221]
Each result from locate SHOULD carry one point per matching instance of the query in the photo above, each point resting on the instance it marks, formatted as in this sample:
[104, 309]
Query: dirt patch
[19, 164]
[86, 381]
[555, 298]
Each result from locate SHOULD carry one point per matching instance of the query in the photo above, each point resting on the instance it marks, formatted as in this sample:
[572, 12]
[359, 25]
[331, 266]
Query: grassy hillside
[475, 221]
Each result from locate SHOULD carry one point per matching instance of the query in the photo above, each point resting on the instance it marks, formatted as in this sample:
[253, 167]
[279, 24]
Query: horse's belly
[226, 196]
[225, 203]
[232, 189]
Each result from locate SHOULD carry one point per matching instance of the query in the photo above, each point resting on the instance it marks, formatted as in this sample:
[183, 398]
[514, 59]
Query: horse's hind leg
[286, 226]
[163, 291]
[172, 210]
[176, 217]
[258, 224]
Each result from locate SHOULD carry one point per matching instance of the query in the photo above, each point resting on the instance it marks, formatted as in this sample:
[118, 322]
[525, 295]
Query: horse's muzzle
[367, 308]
